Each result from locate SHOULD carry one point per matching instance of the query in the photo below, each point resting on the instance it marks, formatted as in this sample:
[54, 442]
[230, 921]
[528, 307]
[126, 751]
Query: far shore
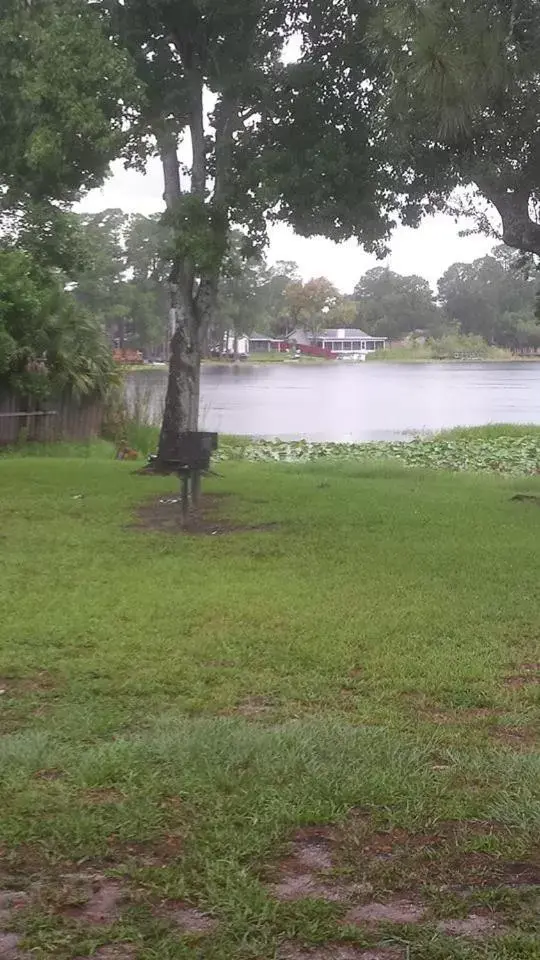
[316, 361]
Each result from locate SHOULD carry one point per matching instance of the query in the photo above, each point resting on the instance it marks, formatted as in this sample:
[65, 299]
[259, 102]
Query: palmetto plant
[47, 343]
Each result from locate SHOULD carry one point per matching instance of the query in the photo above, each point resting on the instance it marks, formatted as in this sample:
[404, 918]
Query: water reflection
[338, 401]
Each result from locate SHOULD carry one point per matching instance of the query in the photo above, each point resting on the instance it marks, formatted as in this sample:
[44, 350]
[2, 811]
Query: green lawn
[176, 709]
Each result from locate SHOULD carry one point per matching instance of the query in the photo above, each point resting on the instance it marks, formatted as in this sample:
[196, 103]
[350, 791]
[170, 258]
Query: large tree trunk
[194, 315]
[193, 303]
[182, 400]
[519, 230]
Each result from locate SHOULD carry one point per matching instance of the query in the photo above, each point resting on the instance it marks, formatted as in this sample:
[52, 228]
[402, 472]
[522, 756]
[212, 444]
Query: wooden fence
[50, 421]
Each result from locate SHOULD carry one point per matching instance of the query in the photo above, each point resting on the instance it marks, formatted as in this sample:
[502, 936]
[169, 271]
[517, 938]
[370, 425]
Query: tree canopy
[460, 106]
[249, 150]
[493, 297]
[388, 108]
[65, 96]
[66, 93]
[391, 305]
[122, 278]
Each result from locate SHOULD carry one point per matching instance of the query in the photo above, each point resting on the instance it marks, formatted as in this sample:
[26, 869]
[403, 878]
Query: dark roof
[344, 334]
[261, 336]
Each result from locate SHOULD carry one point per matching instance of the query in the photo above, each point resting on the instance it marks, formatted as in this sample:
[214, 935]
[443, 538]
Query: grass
[495, 448]
[514, 451]
[175, 708]
[492, 431]
[450, 353]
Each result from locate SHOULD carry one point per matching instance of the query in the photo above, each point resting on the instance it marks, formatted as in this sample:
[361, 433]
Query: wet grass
[175, 708]
[492, 431]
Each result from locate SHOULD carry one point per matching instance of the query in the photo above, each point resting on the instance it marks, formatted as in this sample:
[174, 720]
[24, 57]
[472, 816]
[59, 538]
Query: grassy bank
[495, 448]
[428, 354]
[250, 743]
[253, 358]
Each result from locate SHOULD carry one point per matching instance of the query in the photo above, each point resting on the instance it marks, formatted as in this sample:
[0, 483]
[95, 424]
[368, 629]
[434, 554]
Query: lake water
[347, 402]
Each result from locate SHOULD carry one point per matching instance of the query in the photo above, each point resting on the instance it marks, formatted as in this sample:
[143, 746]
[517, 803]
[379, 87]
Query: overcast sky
[428, 251]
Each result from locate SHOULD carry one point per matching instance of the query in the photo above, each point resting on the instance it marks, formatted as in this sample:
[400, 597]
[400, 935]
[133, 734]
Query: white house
[346, 342]
[242, 345]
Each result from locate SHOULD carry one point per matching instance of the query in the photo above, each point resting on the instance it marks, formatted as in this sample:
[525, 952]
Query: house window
[370, 345]
[337, 346]
[347, 345]
[357, 344]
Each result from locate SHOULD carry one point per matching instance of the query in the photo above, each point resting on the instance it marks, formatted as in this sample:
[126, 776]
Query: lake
[353, 402]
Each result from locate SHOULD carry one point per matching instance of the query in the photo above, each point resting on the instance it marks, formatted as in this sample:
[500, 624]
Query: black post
[185, 495]
[195, 487]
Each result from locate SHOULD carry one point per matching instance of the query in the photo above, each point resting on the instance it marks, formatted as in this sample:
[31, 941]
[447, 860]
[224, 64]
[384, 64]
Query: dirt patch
[101, 902]
[164, 514]
[400, 861]
[49, 774]
[8, 947]
[188, 919]
[252, 707]
[10, 902]
[101, 796]
[41, 683]
[526, 874]
[158, 853]
[113, 951]
[347, 863]
[395, 911]
[306, 886]
[474, 927]
[527, 498]
[516, 738]
[457, 716]
[304, 874]
[529, 674]
[338, 951]
[312, 848]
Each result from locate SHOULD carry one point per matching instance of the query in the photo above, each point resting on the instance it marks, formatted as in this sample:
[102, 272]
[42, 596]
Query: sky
[427, 251]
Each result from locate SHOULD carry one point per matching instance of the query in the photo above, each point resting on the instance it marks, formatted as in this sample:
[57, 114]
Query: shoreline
[412, 361]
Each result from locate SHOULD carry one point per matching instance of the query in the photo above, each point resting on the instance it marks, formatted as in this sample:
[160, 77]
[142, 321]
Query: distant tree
[238, 306]
[121, 280]
[100, 283]
[252, 294]
[391, 305]
[309, 304]
[491, 297]
[274, 315]
[146, 240]
[344, 314]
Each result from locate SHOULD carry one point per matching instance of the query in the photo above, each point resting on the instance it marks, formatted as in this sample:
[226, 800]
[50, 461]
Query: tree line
[123, 283]
[386, 111]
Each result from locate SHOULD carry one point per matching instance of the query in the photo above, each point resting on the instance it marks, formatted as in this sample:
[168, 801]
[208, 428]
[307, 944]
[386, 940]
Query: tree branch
[206, 302]
[513, 19]
[181, 273]
[226, 123]
[196, 125]
[519, 230]
[168, 151]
